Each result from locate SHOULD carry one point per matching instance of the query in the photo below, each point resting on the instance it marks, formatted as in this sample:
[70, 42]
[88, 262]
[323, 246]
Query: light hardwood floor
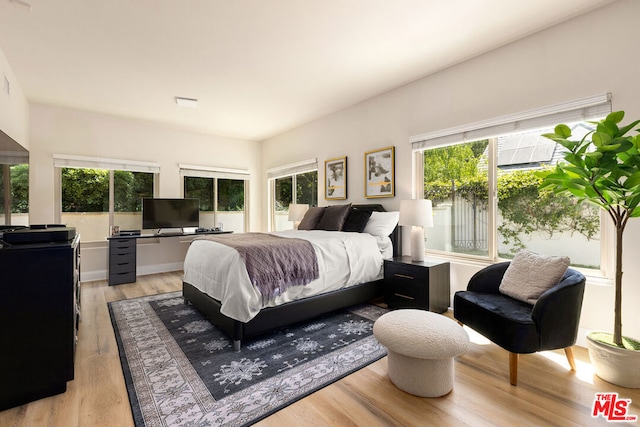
[547, 392]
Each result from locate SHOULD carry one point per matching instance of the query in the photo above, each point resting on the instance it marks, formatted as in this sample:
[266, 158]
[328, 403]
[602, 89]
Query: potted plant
[604, 168]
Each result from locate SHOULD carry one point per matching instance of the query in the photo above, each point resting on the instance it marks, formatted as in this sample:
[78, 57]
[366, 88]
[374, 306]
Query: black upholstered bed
[291, 312]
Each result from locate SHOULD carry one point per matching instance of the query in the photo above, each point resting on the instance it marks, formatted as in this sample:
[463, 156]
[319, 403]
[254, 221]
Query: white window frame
[291, 169]
[218, 173]
[83, 162]
[578, 110]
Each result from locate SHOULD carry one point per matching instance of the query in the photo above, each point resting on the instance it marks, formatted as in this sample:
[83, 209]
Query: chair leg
[513, 368]
[460, 323]
[569, 352]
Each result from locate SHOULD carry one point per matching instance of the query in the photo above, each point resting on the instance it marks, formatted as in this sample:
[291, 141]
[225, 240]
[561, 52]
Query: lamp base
[417, 243]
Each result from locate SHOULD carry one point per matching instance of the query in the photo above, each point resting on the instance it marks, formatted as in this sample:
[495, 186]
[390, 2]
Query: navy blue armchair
[518, 327]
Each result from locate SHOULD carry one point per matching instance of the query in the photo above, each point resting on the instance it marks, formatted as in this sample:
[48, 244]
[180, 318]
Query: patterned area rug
[181, 370]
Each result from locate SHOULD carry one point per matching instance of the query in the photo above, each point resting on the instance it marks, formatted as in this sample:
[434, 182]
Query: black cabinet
[417, 284]
[39, 314]
[122, 253]
[122, 260]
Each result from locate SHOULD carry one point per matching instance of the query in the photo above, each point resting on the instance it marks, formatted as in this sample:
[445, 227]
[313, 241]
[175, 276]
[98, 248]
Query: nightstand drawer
[403, 273]
[408, 294]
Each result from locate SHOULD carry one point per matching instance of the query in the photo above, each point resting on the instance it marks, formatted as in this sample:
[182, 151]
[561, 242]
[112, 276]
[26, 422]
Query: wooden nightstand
[417, 284]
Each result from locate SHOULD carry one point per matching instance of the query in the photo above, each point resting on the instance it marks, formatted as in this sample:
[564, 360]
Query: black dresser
[39, 314]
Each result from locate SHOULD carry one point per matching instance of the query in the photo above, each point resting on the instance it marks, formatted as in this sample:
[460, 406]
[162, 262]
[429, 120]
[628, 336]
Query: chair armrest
[557, 311]
[488, 279]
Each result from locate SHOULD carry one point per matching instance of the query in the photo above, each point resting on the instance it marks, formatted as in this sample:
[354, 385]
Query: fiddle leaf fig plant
[602, 168]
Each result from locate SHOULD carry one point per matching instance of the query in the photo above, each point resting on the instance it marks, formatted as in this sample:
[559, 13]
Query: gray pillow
[333, 218]
[311, 218]
[529, 275]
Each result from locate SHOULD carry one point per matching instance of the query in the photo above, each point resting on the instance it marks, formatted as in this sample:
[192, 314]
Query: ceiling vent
[187, 102]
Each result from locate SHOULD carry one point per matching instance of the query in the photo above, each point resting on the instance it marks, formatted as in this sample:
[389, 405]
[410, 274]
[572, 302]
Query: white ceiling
[258, 67]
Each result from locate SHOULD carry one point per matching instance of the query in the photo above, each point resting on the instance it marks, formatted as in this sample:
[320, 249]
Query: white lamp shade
[297, 211]
[416, 212]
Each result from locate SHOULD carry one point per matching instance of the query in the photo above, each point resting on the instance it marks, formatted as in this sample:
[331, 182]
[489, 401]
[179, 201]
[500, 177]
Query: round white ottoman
[421, 346]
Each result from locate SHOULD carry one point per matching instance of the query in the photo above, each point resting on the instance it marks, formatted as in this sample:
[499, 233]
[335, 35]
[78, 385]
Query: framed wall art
[335, 178]
[379, 173]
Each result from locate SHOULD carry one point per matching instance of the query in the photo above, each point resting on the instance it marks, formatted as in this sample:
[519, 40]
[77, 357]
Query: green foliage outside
[129, 190]
[200, 188]
[458, 170]
[230, 193]
[283, 193]
[525, 209]
[87, 190]
[455, 162]
[306, 190]
[19, 176]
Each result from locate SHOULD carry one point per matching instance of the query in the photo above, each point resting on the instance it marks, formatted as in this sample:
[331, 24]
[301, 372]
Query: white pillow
[381, 223]
[530, 275]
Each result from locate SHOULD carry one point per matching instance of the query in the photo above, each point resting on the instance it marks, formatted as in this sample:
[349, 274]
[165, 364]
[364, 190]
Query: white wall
[570, 61]
[14, 108]
[57, 130]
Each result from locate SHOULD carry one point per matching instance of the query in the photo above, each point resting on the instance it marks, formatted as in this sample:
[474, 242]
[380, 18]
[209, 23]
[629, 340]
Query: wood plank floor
[547, 392]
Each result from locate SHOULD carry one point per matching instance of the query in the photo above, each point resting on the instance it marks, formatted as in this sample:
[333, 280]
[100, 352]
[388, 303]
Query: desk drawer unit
[122, 261]
[423, 285]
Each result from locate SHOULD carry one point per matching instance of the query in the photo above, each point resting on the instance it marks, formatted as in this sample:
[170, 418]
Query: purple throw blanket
[273, 263]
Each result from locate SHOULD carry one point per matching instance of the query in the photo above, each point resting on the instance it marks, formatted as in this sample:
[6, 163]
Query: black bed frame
[295, 311]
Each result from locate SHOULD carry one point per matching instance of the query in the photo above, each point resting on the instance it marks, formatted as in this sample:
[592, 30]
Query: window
[303, 177]
[222, 194]
[14, 187]
[98, 193]
[485, 190]
[456, 183]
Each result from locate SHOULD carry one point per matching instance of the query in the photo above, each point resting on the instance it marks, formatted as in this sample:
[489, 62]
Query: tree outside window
[14, 186]
[306, 192]
[222, 201]
[85, 200]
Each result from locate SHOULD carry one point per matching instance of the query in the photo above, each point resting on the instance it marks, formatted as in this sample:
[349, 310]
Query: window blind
[13, 157]
[293, 168]
[574, 111]
[213, 172]
[67, 161]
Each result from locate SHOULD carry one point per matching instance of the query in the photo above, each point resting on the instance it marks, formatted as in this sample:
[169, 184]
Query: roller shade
[293, 168]
[213, 172]
[574, 111]
[79, 162]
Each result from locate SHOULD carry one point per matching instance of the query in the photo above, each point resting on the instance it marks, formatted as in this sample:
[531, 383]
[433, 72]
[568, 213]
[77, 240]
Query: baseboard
[91, 276]
[160, 268]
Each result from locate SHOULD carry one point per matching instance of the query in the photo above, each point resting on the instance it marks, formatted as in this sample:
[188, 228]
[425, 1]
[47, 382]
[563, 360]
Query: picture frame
[335, 178]
[379, 173]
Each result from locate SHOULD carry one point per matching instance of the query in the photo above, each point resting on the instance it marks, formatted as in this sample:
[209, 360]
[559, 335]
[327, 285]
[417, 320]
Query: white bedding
[344, 259]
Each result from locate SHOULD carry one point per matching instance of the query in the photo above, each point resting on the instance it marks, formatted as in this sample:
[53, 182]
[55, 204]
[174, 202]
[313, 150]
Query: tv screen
[170, 213]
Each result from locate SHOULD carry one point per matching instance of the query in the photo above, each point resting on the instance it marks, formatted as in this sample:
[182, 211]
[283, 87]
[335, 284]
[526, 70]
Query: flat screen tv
[170, 213]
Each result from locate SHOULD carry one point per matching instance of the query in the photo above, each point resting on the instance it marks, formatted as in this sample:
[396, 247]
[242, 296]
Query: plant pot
[619, 366]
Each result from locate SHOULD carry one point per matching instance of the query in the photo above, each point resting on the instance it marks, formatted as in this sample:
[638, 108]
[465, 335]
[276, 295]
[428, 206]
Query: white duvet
[344, 259]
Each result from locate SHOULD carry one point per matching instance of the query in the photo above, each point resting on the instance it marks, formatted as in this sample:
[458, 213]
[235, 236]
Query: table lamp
[418, 214]
[296, 213]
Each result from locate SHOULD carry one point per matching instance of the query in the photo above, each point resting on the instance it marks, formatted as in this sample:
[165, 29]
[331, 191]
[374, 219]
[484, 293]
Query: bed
[241, 323]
